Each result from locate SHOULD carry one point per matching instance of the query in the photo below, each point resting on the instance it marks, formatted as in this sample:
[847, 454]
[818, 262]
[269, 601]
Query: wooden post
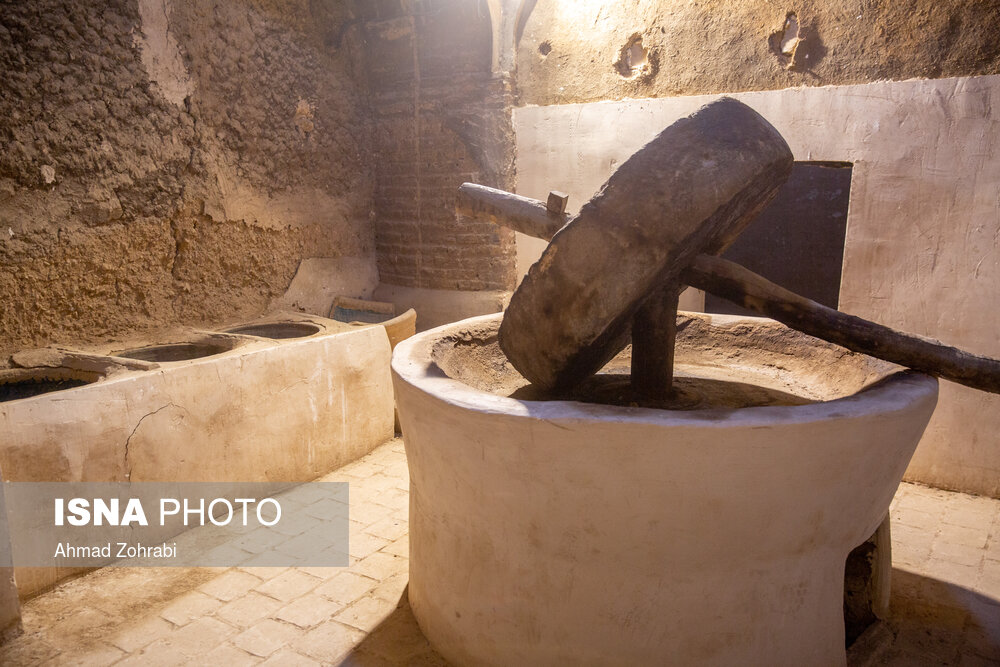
[654, 328]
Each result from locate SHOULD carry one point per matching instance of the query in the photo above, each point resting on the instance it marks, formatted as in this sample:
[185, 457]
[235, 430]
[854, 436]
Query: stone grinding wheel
[690, 190]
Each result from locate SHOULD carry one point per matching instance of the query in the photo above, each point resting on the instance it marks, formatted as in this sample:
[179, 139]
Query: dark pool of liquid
[688, 393]
[12, 391]
[173, 352]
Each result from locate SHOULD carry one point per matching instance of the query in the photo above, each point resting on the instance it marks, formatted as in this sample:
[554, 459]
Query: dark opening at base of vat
[173, 352]
[277, 330]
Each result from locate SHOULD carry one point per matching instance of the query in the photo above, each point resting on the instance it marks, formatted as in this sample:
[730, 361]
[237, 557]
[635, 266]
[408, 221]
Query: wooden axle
[653, 337]
[754, 292]
[522, 214]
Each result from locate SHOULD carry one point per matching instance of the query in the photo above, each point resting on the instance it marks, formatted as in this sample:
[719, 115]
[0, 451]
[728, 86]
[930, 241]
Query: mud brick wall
[442, 119]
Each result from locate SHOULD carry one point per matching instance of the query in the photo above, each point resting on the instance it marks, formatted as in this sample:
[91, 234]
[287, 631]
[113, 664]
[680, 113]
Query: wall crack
[128, 441]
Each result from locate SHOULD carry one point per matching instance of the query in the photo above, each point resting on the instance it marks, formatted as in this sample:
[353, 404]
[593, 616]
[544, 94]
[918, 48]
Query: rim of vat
[247, 328]
[214, 345]
[412, 362]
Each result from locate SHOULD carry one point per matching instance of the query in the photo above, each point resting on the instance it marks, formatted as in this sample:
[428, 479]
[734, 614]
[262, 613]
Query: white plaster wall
[923, 232]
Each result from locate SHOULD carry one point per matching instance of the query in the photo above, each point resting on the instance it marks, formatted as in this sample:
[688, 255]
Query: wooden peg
[557, 202]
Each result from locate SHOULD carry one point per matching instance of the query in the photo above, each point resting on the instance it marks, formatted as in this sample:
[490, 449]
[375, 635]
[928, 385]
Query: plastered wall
[922, 251]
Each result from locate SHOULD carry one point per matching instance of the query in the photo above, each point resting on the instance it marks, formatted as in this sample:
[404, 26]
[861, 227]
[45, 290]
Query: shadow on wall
[798, 240]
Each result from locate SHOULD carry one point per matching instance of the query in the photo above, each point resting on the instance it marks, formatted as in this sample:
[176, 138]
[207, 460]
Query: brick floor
[945, 602]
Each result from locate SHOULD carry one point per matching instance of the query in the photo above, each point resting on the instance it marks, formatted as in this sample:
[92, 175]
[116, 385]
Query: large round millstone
[690, 190]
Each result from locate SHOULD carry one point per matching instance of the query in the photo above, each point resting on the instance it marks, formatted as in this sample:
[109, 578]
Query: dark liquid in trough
[689, 393]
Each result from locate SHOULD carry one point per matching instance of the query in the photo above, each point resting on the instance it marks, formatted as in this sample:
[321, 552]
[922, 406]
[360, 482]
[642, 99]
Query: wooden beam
[528, 216]
[745, 288]
[556, 203]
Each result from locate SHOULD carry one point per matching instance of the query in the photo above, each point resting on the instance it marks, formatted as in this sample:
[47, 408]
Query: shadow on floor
[931, 622]
[396, 641]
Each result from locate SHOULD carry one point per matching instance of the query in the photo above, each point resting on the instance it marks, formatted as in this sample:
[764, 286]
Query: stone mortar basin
[561, 532]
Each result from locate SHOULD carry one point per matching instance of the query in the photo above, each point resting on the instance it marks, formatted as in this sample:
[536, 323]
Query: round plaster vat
[566, 532]
[184, 351]
[277, 330]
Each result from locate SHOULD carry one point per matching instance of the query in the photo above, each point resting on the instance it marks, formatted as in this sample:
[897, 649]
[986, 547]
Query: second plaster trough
[548, 531]
[200, 407]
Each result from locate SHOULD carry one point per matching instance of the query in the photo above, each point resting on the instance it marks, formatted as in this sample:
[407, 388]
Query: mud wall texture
[579, 51]
[172, 162]
[442, 119]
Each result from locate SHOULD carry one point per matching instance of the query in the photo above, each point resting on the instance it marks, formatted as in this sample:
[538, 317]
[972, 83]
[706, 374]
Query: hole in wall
[860, 575]
[789, 38]
[797, 44]
[634, 59]
[637, 57]
[545, 48]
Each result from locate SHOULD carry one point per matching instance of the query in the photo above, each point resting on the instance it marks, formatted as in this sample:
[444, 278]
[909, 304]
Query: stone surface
[141, 607]
[921, 251]
[691, 189]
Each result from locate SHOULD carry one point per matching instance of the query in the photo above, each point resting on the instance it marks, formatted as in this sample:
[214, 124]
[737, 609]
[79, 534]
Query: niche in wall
[798, 241]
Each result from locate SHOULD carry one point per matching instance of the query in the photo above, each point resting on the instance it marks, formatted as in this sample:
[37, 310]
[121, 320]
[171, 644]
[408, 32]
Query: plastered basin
[251, 409]
[550, 532]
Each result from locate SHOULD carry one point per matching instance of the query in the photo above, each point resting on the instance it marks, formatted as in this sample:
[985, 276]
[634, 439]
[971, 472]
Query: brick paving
[945, 603]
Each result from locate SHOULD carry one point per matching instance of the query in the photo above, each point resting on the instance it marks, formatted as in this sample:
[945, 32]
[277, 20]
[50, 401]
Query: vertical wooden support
[654, 328]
